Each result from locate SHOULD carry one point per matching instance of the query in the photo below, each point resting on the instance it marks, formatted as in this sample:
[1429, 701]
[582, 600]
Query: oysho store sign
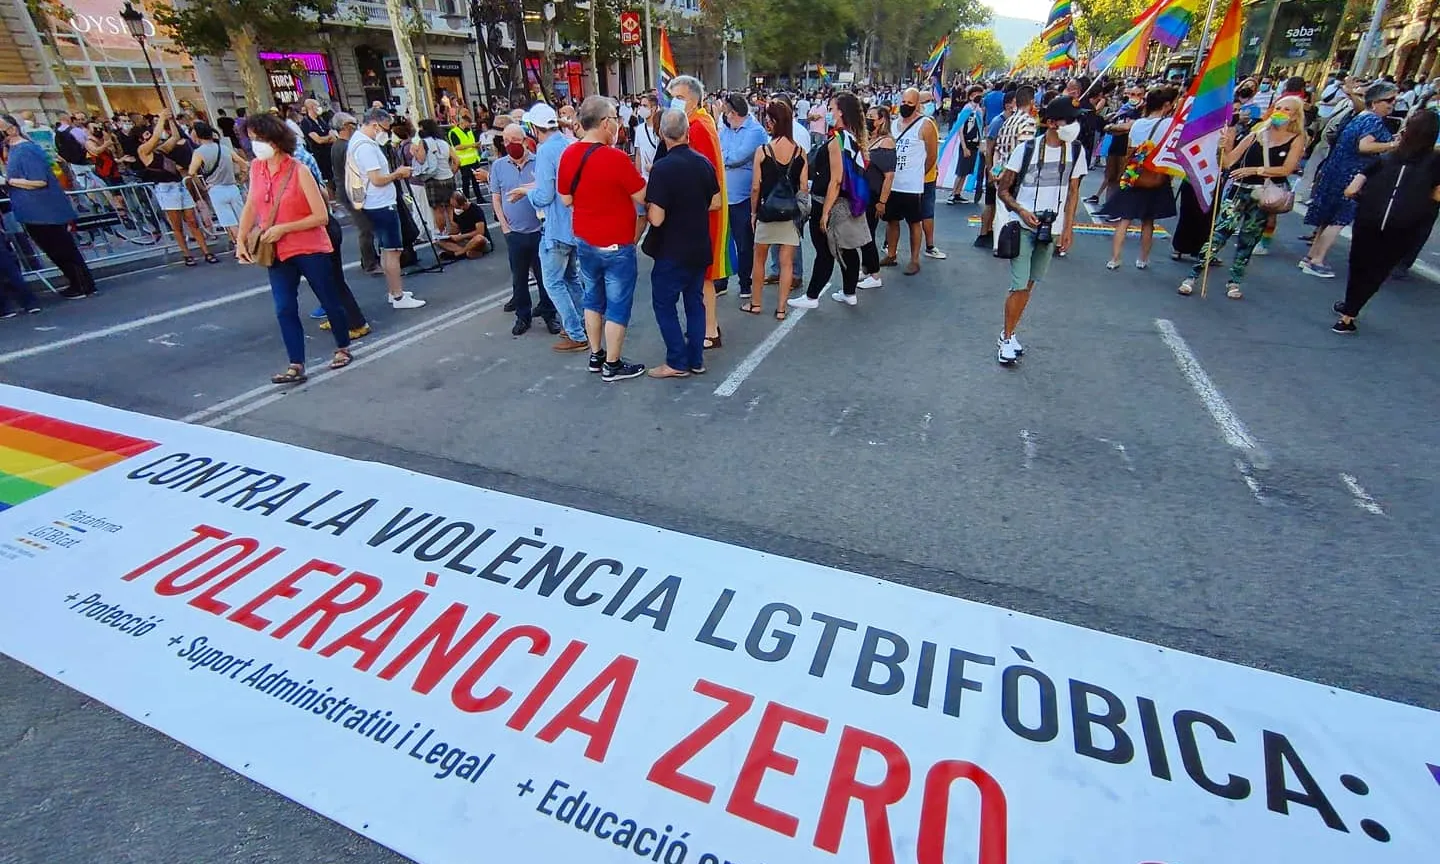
[99, 23]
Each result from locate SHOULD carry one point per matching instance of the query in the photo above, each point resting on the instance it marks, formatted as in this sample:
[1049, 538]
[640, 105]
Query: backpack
[781, 204]
[355, 182]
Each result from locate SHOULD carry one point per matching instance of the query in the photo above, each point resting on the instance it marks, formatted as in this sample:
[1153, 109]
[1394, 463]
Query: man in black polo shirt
[683, 190]
[473, 240]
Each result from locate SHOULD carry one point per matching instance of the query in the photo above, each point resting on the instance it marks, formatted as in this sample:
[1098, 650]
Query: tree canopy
[977, 46]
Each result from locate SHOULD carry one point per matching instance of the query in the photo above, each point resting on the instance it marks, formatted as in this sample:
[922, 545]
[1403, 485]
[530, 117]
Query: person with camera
[1040, 188]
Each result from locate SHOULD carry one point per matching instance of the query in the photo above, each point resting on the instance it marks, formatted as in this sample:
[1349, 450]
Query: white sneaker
[1007, 353]
[1112, 264]
[803, 302]
[871, 282]
[406, 301]
[1261, 249]
[932, 252]
[1142, 265]
[1015, 343]
[842, 297]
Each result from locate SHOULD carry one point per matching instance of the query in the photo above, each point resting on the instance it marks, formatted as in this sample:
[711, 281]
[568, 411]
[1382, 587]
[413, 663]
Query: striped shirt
[1016, 131]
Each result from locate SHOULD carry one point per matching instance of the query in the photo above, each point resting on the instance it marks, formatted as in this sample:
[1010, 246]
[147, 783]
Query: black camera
[1043, 232]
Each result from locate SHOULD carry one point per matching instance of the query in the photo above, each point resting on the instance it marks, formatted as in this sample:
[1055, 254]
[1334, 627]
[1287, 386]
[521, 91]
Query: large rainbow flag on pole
[668, 70]
[1172, 20]
[937, 54]
[1208, 109]
[1059, 34]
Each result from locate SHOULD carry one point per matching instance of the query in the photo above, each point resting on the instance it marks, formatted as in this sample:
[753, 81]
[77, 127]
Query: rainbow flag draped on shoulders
[705, 140]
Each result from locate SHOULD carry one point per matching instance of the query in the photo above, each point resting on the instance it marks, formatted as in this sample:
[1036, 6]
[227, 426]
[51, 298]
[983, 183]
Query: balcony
[375, 16]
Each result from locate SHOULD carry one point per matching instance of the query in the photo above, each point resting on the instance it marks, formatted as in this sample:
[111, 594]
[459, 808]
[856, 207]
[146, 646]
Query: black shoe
[984, 241]
[1342, 327]
[9, 313]
[552, 324]
[722, 290]
[597, 362]
[75, 294]
[1093, 199]
[521, 326]
[620, 370]
[509, 307]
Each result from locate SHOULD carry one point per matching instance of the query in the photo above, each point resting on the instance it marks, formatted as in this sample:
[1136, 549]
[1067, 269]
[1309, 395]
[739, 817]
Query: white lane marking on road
[165, 339]
[365, 348]
[1231, 426]
[1248, 472]
[750, 407]
[1124, 454]
[1363, 500]
[539, 385]
[925, 428]
[1427, 271]
[127, 326]
[752, 360]
[844, 413]
[1031, 448]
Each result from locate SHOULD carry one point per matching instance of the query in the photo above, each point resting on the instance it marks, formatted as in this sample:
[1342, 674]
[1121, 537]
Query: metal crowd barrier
[115, 225]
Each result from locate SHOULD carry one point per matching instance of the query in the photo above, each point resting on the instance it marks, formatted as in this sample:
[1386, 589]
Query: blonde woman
[1271, 152]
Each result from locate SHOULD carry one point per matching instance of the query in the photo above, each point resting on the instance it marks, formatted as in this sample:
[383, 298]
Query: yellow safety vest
[463, 138]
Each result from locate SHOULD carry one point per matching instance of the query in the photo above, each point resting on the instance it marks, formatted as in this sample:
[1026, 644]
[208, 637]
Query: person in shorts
[216, 162]
[369, 182]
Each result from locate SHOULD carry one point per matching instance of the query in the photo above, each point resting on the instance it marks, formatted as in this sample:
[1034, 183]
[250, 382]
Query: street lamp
[135, 21]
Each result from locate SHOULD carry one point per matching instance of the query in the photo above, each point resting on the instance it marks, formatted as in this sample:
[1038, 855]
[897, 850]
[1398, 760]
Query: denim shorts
[608, 278]
[385, 223]
[174, 196]
[927, 202]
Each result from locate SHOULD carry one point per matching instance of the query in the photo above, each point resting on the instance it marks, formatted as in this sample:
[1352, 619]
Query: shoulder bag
[1272, 197]
[262, 252]
[1145, 179]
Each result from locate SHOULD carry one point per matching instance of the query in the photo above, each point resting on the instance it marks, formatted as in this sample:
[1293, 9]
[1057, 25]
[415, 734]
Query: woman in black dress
[1150, 197]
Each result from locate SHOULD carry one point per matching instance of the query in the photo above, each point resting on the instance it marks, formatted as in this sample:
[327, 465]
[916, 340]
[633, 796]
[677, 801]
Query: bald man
[912, 194]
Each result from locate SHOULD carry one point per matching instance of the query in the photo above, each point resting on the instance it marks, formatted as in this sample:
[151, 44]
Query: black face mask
[907, 111]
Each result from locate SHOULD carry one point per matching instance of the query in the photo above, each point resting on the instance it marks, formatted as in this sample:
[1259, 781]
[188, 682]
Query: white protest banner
[464, 675]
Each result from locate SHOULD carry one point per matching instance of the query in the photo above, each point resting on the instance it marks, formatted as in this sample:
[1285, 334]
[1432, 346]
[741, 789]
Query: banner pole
[1210, 238]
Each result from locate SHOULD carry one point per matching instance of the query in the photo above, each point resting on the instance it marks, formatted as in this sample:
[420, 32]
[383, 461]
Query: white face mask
[383, 138]
[263, 149]
[1069, 132]
[644, 112]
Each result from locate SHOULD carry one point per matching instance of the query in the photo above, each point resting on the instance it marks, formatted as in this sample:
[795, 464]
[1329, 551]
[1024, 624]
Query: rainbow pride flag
[1128, 51]
[1214, 88]
[668, 70]
[1172, 18]
[937, 54]
[1061, 9]
[39, 453]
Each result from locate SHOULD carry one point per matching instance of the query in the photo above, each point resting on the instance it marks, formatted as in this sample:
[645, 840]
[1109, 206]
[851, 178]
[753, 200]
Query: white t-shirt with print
[1043, 187]
[367, 155]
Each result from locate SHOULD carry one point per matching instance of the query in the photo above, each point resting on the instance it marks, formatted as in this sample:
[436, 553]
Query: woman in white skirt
[1140, 201]
[779, 165]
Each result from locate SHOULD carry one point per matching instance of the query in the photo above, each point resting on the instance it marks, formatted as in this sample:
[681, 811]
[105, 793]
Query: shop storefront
[447, 78]
[109, 68]
[295, 77]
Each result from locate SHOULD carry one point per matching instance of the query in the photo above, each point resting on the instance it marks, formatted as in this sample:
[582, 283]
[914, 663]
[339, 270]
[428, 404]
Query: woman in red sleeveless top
[286, 206]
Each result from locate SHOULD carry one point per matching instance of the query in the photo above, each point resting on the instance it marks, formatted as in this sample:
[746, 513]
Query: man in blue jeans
[558, 260]
[683, 190]
[510, 179]
[740, 136]
[601, 185]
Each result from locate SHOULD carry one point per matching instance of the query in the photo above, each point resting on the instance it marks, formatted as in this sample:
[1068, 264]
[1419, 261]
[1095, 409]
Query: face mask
[907, 111]
[829, 118]
[515, 151]
[1069, 132]
[383, 138]
[1264, 88]
[929, 109]
[263, 149]
[1279, 118]
[644, 112]
[459, 212]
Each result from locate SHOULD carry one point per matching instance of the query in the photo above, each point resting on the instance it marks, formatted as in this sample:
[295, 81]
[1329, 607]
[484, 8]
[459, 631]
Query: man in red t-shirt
[600, 184]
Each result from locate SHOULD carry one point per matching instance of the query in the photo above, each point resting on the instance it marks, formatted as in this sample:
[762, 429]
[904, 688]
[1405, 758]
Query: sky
[1035, 10]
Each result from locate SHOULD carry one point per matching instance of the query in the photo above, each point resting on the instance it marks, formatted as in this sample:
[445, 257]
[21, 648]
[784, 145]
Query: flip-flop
[779, 314]
[751, 309]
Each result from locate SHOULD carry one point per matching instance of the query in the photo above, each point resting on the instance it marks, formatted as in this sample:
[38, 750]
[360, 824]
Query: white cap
[542, 116]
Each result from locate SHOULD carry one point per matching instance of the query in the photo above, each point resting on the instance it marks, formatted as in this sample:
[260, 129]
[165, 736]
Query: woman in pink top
[285, 205]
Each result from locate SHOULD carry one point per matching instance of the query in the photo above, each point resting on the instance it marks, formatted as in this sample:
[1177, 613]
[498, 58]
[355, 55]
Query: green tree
[244, 27]
[977, 46]
[1100, 22]
[1032, 56]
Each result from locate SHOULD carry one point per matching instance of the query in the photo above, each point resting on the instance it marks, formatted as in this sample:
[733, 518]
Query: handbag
[262, 252]
[782, 203]
[1272, 197]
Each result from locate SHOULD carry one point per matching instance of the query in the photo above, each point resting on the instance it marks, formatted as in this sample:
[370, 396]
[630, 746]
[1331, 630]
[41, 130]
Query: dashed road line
[1231, 426]
[1363, 499]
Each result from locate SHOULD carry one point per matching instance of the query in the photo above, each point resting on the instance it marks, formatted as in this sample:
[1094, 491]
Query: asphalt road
[1223, 477]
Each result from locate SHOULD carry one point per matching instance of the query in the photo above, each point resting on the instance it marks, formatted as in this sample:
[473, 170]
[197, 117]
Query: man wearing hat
[1040, 189]
[558, 263]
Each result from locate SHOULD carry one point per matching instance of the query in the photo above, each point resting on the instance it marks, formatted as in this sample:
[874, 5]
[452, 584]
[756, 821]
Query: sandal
[889, 261]
[211, 259]
[190, 261]
[714, 341]
[779, 314]
[293, 374]
[341, 359]
[1232, 290]
[750, 309]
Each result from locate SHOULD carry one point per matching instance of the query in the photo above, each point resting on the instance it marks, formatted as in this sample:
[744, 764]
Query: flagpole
[1209, 248]
[1204, 36]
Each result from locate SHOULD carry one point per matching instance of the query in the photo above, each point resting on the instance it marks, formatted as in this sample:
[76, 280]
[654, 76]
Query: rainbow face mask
[1279, 118]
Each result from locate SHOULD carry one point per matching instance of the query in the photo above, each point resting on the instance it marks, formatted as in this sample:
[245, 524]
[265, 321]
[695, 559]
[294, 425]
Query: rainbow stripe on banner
[39, 453]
